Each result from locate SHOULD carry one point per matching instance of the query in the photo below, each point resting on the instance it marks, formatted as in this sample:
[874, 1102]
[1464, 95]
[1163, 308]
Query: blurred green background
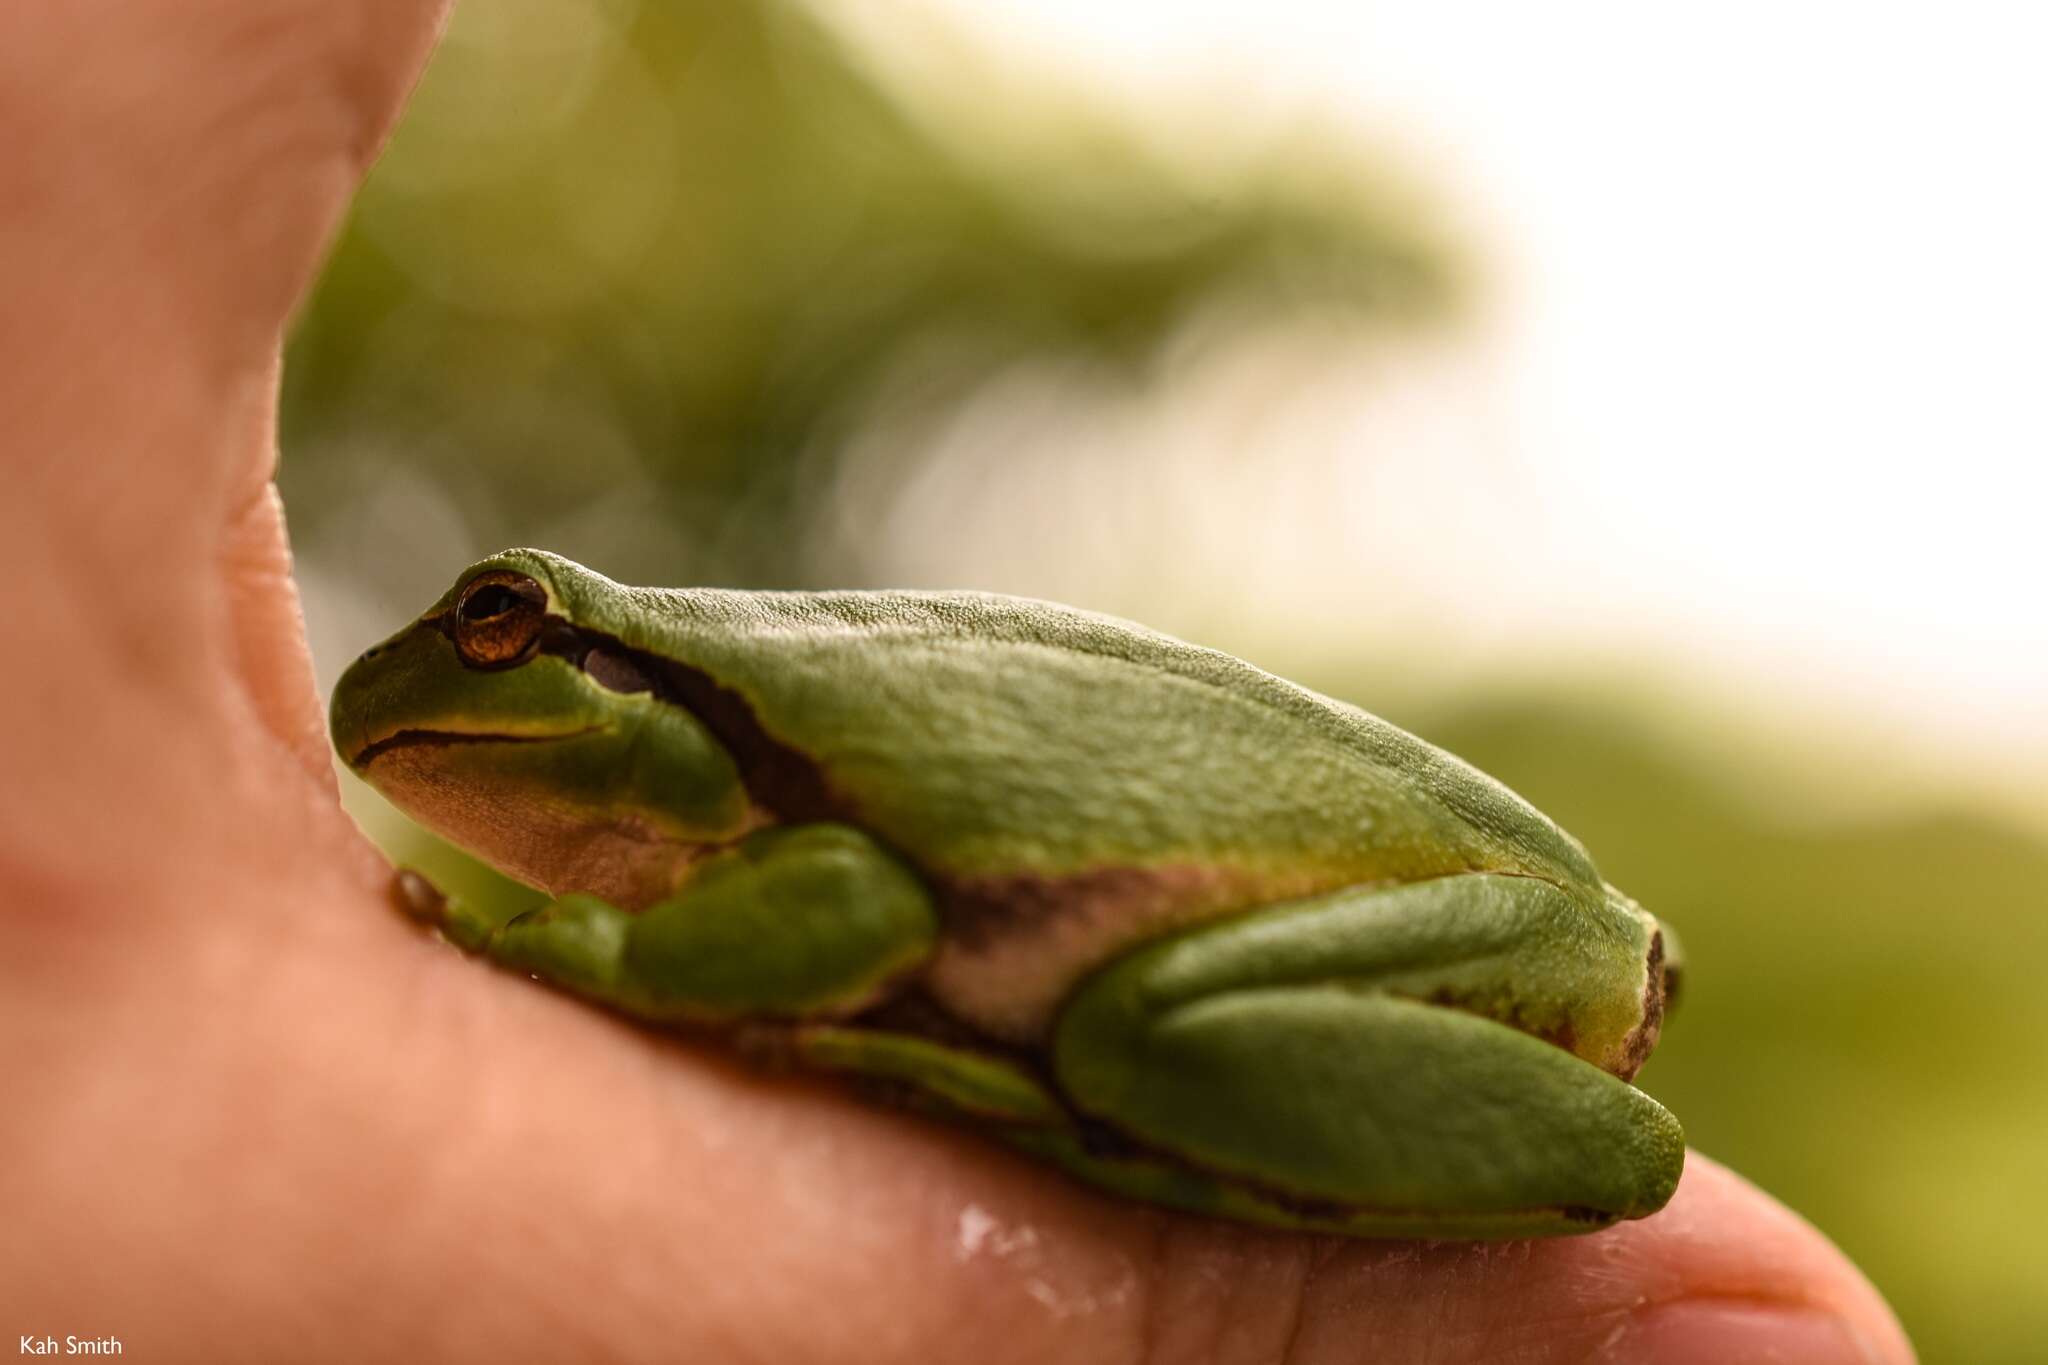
[691, 292]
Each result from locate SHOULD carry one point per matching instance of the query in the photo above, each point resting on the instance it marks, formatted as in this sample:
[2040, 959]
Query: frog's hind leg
[1369, 1061]
[1011, 1101]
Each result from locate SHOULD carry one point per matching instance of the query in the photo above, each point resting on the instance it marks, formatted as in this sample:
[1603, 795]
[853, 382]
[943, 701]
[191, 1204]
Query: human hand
[253, 1114]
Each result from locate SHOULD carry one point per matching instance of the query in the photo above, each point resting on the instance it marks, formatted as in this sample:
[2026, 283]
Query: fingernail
[1704, 1332]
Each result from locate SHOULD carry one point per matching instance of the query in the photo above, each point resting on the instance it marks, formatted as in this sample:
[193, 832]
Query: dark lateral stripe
[404, 739]
[981, 910]
[778, 777]
[792, 786]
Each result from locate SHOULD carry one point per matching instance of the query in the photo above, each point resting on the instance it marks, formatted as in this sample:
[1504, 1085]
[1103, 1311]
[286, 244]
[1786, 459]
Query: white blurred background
[1752, 399]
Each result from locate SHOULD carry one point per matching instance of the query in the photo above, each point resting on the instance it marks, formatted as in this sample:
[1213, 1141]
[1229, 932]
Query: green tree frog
[1190, 932]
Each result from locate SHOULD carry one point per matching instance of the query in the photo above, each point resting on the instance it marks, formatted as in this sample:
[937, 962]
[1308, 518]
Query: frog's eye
[498, 619]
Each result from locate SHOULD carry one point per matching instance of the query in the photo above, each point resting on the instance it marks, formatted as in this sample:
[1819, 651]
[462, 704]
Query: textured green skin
[1206, 938]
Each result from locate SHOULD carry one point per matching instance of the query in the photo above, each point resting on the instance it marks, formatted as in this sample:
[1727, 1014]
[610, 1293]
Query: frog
[1190, 933]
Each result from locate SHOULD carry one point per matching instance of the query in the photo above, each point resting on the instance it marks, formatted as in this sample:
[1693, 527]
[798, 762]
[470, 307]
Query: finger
[178, 167]
[218, 136]
[1725, 1274]
[1724, 1250]
[173, 170]
[818, 1229]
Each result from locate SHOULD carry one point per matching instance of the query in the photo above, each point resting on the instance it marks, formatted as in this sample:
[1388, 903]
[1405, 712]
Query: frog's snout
[359, 706]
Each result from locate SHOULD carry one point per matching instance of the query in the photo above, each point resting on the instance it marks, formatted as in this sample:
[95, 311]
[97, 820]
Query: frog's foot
[415, 894]
[1333, 1063]
[932, 1077]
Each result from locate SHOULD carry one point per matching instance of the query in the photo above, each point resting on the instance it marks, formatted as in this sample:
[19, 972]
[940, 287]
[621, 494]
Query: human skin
[253, 1113]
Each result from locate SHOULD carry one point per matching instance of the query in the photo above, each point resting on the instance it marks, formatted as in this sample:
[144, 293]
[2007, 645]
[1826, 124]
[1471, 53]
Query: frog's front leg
[1370, 1060]
[810, 921]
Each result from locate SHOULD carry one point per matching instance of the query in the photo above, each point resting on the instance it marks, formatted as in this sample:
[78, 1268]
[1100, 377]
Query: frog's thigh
[804, 921]
[1291, 1047]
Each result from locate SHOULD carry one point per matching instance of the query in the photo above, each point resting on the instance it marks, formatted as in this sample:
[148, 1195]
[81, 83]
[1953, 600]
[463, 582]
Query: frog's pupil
[489, 601]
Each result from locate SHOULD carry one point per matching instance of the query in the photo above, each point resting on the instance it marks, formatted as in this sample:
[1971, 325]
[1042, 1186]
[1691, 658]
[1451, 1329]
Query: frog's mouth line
[436, 739]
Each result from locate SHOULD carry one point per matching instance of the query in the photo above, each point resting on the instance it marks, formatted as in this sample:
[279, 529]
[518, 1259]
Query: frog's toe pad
[416, 897]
